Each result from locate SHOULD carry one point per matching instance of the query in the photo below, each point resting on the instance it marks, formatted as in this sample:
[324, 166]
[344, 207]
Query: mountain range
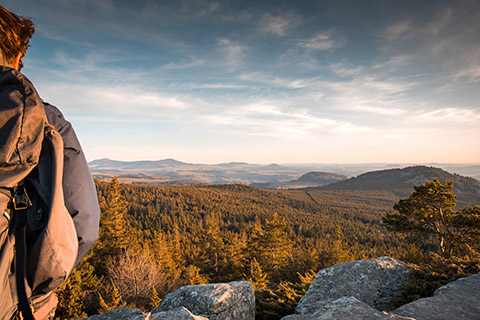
[273, 176]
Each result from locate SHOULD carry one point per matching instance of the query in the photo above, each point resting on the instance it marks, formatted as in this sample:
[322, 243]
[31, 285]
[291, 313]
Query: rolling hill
[401, 182]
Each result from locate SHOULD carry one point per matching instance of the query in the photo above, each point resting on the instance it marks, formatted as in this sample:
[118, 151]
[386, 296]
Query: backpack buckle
[21, 201]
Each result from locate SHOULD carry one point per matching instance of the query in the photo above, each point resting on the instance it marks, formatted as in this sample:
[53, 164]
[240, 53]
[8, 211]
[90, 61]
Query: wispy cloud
[266, 119]
[272, 81]
[104, 5]
[394, 63]
[233, 52]
[279, 25]
[200, 8]
[444, 17]
[367, 94]
[458, 115]
[211, 86]
[398, 30]
[117, 100]
[321, 41]
[371, 85]
[472, 73]
[446, 42]
[342, 69]
[191, 63]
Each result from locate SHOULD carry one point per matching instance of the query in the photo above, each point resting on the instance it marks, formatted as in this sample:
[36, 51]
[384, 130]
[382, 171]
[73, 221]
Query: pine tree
[429, 211]
[154, 300]
[114, 224]
[234, 255]
[335, 251]
[102, 305]
[177, 245]
[70, 296]
[275, 244]
[256, 276]
[73, 294]
[254, 248]
[169, 270]
[212, 247]
[114, 236]
[192, 276]
[114, 302]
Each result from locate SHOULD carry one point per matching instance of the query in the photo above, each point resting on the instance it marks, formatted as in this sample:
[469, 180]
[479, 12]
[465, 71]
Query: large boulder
[123, 313]
[218, 301]
[373, 281]
[457, 300]
[176, 314]
[346, 308]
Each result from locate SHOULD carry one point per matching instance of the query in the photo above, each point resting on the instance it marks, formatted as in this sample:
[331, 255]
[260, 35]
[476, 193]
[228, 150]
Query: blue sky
[262, 81]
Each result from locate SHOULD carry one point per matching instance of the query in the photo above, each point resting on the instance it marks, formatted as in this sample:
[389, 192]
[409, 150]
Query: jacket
[23, 118]
[78, 187]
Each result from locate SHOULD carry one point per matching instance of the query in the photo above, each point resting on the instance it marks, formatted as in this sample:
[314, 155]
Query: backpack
[38, 241]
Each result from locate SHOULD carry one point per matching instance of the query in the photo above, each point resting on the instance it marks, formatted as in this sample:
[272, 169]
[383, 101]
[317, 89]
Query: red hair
[15, 33]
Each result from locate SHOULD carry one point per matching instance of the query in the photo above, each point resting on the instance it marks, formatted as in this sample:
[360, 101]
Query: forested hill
[401, 182]
[312, 218]
[171, 236]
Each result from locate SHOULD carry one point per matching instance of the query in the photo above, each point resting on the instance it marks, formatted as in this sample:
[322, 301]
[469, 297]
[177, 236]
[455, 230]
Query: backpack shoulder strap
[20, 204]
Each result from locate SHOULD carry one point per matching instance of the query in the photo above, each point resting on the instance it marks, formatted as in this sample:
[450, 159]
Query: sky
[262, 81]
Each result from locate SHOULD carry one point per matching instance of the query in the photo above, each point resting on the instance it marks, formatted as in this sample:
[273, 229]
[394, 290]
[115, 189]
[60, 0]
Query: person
[23, 118]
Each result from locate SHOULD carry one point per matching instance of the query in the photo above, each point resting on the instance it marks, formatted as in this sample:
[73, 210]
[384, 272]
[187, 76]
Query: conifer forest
[155, 239]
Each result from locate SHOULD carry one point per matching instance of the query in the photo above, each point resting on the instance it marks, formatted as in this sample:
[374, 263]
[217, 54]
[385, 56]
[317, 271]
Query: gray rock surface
[457, 300]
[373, 281]
[346, 308]
[134, 314]
[218, 301]
[123, 313]
[175, 314]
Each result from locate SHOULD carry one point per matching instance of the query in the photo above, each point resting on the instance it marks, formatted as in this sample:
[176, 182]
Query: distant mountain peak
[321, 177]
[273, 166]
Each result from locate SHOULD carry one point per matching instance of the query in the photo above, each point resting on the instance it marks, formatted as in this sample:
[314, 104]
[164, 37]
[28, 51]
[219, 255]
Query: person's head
[15, 33]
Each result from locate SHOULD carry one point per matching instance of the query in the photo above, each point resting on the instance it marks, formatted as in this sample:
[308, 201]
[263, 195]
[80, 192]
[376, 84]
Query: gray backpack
[38, 241]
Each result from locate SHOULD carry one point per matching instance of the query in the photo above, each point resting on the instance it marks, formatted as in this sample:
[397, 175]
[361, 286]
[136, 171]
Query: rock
[373, 281]
[176, 314]
[220, 301]
[134, 314]
[346, 308]
[456, 300]
[123, 313]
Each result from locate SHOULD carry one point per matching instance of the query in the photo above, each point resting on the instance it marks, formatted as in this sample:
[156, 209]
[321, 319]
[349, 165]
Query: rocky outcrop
[176, 314]
[353, 290]
[373, 281]
[457, 300]
[362, 289]
[134, 314]
[218, 301]
[346, 308]
[124, 313]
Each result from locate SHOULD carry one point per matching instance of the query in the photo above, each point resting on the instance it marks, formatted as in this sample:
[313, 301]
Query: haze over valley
[271, 176]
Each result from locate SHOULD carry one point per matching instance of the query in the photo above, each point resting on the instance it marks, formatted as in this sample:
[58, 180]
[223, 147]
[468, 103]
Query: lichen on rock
[373, 281]
[217, 301]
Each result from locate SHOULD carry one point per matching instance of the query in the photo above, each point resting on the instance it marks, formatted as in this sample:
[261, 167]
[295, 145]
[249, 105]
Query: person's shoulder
[52, 110]
[55, 118]
[11, 78]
